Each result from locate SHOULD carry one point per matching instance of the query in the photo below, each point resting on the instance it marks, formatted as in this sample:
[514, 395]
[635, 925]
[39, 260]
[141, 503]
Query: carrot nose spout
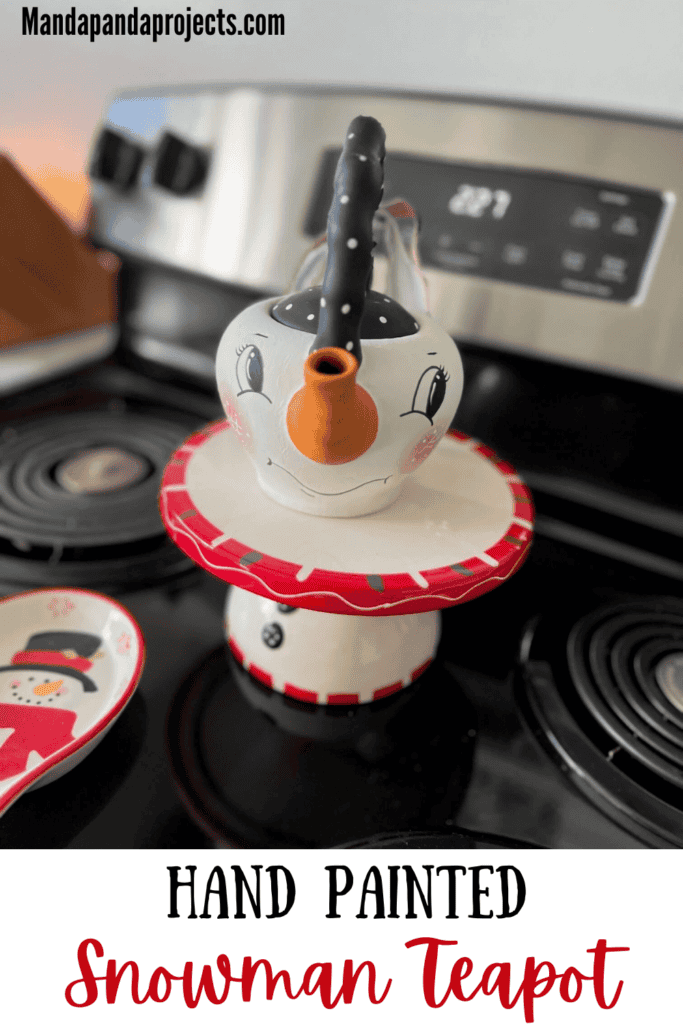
[331, 419]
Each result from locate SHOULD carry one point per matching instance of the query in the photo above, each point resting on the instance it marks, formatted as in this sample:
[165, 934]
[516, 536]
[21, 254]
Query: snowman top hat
[344, 309]
[70, 653]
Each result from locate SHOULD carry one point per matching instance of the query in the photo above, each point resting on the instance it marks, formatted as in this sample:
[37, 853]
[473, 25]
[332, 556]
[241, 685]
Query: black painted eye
[285, 609]
[430, 392]
[249, 370]
[272, 634]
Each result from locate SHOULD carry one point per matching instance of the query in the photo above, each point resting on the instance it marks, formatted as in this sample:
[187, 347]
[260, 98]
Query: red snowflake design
[123, 643]
[60, 606]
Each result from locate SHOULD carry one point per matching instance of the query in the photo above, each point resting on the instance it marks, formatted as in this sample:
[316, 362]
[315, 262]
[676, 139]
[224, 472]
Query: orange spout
[332, 419]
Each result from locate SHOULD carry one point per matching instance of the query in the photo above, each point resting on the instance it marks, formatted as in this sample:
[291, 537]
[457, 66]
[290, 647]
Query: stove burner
[99, 470]
[617, 658]
[250, 775]
[78, 499]
[604, 696]
[669, 675]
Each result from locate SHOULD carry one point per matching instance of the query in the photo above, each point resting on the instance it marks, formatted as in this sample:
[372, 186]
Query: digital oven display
[559, 232]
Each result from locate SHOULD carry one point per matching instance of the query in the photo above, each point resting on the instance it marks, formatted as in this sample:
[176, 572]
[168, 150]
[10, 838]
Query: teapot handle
[395, 238]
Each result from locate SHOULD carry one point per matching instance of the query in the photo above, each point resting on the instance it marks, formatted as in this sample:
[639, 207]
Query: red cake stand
[368, 589]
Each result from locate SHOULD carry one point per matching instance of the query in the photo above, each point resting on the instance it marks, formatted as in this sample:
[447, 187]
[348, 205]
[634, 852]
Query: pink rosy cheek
[235, 420]
[424, 447]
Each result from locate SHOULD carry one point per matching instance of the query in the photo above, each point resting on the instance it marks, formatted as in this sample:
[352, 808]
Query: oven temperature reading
[475, 200]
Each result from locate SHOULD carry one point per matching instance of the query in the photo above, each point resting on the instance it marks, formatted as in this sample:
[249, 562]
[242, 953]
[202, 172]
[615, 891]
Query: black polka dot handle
[357, 194]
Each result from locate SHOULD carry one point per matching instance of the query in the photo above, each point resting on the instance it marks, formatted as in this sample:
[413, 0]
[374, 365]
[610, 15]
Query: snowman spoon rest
[69, 663]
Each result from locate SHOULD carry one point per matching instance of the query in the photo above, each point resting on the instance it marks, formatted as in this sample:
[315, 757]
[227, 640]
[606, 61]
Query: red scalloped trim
[342, 593]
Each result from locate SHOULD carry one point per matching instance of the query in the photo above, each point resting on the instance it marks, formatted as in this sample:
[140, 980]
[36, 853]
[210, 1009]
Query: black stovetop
[500, 757]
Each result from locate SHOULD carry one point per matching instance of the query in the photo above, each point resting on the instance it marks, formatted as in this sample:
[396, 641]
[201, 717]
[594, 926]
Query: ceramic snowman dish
[333, 486]
[69, 663]
[339, 393]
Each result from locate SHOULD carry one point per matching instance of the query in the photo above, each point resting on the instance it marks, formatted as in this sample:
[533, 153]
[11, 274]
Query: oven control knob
[116, 160]
[179, 167]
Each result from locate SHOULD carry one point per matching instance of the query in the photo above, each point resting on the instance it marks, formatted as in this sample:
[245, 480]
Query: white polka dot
[349, 346]
[351, 135]
[311, 316]
[346, 308]
[362, 158]
[289, 306]
[416, 324]
[344, 200]
[323, 303]
[386, 299]
[352, 243]
[382, 319]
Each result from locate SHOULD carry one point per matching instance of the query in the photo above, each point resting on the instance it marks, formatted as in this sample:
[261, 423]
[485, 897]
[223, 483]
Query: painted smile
[329, 494]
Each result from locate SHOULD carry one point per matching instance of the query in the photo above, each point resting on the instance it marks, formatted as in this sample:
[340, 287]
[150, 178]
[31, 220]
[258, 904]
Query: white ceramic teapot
[339, 392]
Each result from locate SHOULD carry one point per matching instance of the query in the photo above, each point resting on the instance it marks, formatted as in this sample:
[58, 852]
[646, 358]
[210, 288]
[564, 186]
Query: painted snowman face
[415, 382]
[40, 687]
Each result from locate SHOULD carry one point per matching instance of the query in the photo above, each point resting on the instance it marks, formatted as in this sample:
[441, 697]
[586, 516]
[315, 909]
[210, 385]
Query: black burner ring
[51, 535]
[603, 655]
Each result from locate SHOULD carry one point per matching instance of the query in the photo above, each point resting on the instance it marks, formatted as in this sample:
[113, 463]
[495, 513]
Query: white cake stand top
[461, 526]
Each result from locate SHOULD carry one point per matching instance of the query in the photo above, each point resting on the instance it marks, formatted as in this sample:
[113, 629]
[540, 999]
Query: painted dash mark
[463, 570]
[250, 557]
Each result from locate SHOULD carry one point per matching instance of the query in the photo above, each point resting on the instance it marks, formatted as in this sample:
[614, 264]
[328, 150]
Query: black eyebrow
[257, 335]
[432, 353]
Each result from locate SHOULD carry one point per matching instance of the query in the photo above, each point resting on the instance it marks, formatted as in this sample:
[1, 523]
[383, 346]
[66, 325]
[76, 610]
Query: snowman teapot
[339, 392]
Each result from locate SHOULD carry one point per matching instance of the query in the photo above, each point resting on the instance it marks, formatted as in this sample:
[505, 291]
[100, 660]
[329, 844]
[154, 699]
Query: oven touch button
[669, 675]
[99, 470]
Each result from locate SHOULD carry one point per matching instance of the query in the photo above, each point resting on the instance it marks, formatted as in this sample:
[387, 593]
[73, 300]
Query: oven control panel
[552, 232]
[559, 232]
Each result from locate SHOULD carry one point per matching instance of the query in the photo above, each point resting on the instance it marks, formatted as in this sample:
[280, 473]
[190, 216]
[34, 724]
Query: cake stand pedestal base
[327, 658]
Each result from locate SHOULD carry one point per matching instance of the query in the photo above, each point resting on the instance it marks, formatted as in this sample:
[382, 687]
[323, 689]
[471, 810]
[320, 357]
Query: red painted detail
[339, 592]
[446, 578]
[27, 778]
[175, 470]
[343, 698]
[202, 528]
[263, 677]
[177, 502]
[522, 533]
[236, 650]
[55, 658]
[417, 672]
[216, 427]
[458, 434]
[195, 440]
[386, 691]
[516, 539]
[487, 452]
[310, 696]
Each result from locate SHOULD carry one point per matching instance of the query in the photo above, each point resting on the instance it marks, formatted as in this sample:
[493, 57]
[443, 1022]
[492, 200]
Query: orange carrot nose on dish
[332, 419]
[45, 688]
